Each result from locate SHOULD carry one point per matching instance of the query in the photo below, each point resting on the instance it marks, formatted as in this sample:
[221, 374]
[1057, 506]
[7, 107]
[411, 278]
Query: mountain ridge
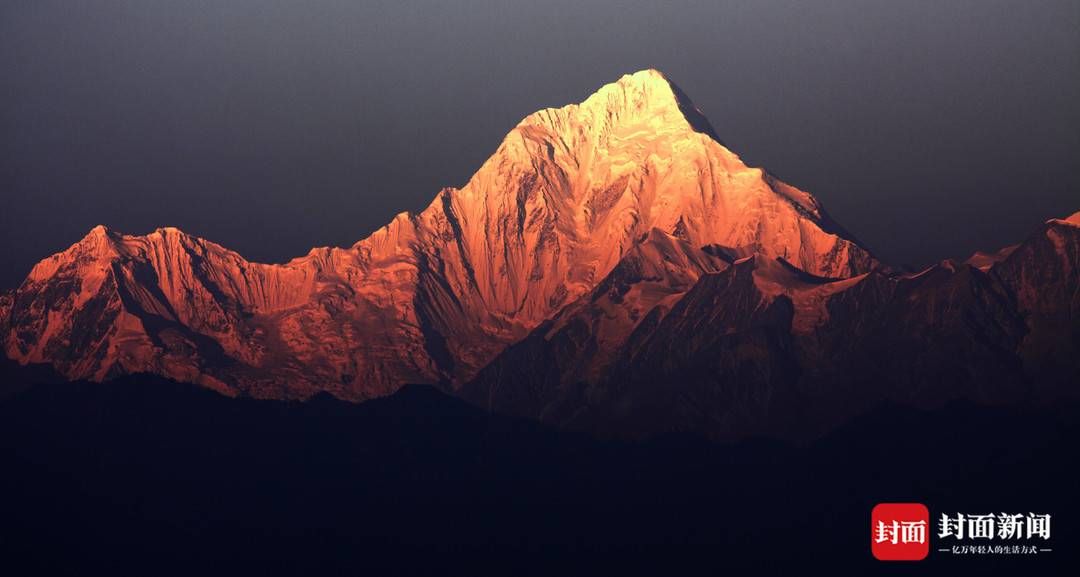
[612, 266]
[431, 296]
[761, 347]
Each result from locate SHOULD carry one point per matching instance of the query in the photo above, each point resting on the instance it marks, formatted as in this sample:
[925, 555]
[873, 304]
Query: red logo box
[900, 531]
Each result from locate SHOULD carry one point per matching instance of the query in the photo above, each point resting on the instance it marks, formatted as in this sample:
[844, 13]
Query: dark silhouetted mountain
[762, 347]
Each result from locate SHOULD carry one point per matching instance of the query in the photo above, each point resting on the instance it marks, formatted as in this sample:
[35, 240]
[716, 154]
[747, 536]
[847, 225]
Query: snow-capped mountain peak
[568, 195]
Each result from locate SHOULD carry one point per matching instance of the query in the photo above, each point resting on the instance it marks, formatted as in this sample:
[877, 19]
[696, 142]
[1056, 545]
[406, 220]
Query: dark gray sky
[928, 128]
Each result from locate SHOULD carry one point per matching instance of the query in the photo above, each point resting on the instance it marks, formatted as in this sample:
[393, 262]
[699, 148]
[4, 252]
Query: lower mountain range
[613, 267]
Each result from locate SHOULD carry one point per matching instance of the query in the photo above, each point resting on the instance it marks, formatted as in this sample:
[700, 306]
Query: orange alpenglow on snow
[433, 297]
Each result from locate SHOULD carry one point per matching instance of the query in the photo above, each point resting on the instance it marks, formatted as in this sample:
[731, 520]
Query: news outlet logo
[901, 532]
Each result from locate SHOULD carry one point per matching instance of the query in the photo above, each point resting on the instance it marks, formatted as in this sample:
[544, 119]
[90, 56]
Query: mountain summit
[632, 179]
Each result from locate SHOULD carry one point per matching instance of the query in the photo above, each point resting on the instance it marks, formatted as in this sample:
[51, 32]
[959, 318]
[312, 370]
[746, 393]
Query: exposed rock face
[172, 304]
[630, 187]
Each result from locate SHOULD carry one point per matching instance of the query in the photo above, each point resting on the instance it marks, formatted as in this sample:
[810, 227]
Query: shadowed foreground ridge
[141, 475]
[762, 347]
